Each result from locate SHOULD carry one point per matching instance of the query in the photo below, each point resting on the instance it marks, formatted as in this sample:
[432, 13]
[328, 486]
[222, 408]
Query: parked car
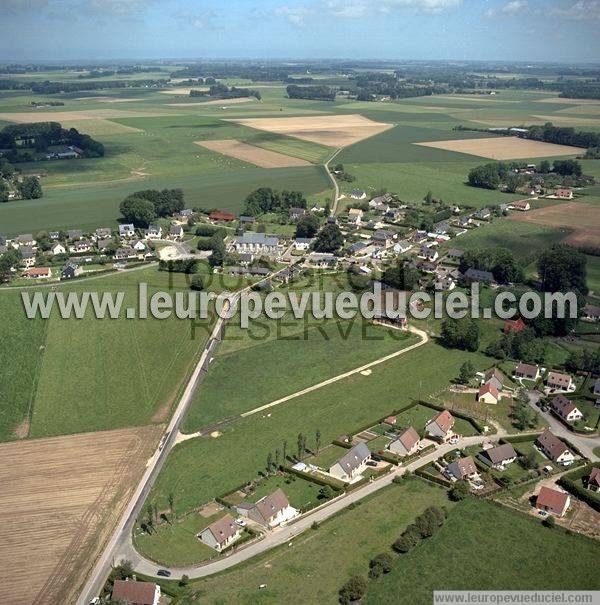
[240, 522]
[165, 573]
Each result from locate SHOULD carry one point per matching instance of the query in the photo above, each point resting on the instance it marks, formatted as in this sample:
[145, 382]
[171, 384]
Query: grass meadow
[486, 547]
[203, 467]
[318, 562]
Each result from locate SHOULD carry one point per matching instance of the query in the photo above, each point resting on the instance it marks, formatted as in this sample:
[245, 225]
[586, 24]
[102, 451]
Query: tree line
[221, 91]
[318, 93]
[143, 207]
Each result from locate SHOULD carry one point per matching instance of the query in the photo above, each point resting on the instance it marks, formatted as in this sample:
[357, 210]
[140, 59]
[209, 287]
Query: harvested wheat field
[99, 127]
[582, 220]
[59, 501]
[334, 131]
[107, 99]
[83, 114]
[182, 90]
[503, 148]
[253, 155]
[223, 102]
[567, 101]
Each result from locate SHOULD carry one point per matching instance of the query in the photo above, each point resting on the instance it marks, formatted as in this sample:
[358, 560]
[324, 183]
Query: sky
[502, 30]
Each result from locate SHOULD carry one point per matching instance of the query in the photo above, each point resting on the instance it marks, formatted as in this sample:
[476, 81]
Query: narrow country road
[336, 187]
[281, 535]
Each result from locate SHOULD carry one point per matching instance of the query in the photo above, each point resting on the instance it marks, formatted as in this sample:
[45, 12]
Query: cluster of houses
[269, 512]
[126, 244]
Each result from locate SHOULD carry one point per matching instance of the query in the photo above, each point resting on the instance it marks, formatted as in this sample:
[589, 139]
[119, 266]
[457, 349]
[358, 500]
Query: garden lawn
[486, 547]
[318, 562]
[302, 494]
[176, 544]
[419, 415]
[327, 456]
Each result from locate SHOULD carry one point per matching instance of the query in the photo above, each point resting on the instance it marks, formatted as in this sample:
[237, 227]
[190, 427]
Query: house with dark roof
[440, 427]
[590, 313]
[551, 446]
[133, 592]
[270, 511]
[494, 377]
[476, 275]
[552, 501]
[71, 270]
[462, 469]
[406, 442]
[221, 534]
[527, 371]
[454, 254]
[593, 480]
[357, 194]
[498, 457]
[127, 230]
[565, 408]
[350, 466]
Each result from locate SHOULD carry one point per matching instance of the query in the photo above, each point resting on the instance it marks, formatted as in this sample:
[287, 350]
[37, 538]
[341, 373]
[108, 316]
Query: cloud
[361, 8]
[509, 9]
[116, 7]
[580, 10]
[196, 20]
[294, 14]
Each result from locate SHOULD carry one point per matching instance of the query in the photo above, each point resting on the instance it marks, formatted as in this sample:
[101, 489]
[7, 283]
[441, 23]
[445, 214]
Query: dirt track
[582, 219]
[503, 148]
[59, 500]
[254, 155]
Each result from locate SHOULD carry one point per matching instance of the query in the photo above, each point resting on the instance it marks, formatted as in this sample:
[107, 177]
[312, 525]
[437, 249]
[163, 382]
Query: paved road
[585, 444]
[283, 535]
[123, 530]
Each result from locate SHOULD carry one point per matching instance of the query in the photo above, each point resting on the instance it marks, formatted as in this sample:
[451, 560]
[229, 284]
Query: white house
[350, 466]
[127, 230]
[58, 248]
[488, 393]
[270, 511]
[302, 243]
[406, 443]
[566, 409]
[153, 232]
[549, 444]
[221, 534]
[138, 245]
[27, 256]
[355, 216]
[175, 232]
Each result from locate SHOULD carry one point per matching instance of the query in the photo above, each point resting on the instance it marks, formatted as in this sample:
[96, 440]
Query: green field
[593, 273]
[485, 547]
[88, 374]
[201, 468]
[266, 370]
[20, 358]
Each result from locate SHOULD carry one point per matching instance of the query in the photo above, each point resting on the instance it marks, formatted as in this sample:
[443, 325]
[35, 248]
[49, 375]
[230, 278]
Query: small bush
[353, 590]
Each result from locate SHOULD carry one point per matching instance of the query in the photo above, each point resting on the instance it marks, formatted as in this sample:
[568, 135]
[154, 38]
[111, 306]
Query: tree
[30, 188]
[300, 446]
[562, 269]
[318, 440]
[285, 445]
[269, 462]
[218, 251]
[124, 569]
[3, 192]
[524, 417]
[460, 334]
[138, 211]
[408, 540]
[544, 167]
[550, 522]
[467, 372]
[307, 226]
[326, 492]
[401, 277]
[171, 502]
[486, 176]
[567, 167]
[428, 197]
[353, 590]
[8, 260]
[529, 461]
[185, 580]
[329, 239]
[197, 282]
[381, 564]
[459, 491]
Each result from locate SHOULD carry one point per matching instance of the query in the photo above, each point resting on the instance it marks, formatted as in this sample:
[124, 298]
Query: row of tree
[265, 200]
[221, 91]
[319, 93]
